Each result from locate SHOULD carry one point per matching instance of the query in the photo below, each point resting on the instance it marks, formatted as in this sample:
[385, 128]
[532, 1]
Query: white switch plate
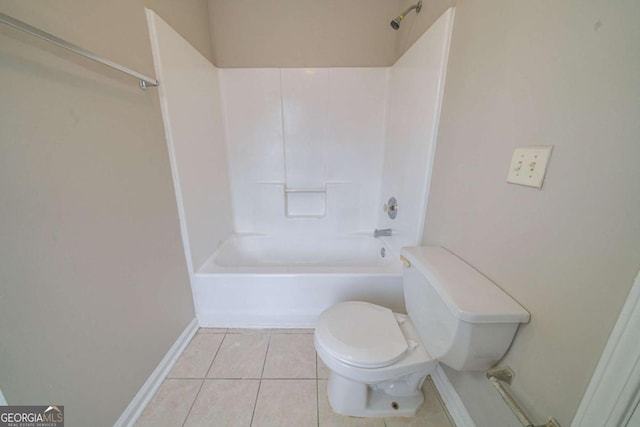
[528, 165]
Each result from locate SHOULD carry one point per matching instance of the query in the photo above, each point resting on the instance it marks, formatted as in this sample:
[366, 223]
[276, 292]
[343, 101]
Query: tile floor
[251, 377]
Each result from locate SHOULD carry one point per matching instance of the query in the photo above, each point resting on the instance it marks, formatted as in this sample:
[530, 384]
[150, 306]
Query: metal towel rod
[144, 80]
[506, 375]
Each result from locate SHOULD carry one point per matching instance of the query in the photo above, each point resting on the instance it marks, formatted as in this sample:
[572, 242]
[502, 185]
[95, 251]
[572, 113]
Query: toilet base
[348, 397]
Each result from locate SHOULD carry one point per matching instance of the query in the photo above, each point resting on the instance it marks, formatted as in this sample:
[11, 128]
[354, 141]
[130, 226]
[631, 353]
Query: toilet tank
[463, 319]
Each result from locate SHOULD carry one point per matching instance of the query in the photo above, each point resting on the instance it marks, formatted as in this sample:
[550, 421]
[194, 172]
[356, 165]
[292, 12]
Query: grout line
[248, 332]
[193, 403]
[244, 378]
[262, 332]
[223, 378]
[264, 362]
[202, 383]
[285, 379]
[215, 355]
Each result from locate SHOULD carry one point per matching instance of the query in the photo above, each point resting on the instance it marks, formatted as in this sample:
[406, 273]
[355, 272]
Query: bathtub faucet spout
[384, 232]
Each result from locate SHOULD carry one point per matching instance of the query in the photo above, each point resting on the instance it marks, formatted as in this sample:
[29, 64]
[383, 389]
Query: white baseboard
[142, 398]
[3, 401]
[451, 399]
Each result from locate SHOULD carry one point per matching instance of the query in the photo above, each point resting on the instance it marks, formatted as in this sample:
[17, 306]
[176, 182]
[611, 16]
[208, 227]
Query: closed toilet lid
[361, 334]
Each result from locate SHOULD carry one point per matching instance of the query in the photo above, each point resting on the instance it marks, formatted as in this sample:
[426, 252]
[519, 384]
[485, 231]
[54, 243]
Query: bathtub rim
[391, 267]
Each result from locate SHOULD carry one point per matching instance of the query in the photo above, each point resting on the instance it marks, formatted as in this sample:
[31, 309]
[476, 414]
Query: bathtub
[280, 281]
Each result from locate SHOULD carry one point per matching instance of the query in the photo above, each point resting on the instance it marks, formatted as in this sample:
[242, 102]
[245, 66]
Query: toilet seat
[361, 334]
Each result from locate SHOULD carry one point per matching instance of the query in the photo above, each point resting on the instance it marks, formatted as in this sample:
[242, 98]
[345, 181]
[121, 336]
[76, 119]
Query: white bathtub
[278, 281]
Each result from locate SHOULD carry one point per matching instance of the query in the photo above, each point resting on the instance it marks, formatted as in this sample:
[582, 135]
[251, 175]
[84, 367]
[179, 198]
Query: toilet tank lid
[469, 294]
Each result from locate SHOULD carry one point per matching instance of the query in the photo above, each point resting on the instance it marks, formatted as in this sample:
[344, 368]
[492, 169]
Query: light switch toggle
[536, 158]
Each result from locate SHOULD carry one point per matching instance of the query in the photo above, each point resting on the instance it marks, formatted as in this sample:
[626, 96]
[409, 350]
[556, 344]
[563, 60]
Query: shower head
[395, 24]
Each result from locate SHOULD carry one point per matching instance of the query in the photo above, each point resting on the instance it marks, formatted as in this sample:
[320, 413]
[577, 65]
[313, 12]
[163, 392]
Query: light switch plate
[529, 165]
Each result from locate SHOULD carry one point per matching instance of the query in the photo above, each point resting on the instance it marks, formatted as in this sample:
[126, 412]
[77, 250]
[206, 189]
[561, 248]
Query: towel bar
[145, 81]
[500, 375]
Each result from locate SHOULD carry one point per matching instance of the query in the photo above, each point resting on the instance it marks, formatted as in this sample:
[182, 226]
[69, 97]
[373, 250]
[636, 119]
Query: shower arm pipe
[145, 81]
[416, 6]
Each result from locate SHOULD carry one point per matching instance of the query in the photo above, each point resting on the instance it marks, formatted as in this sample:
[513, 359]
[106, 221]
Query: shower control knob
[391, 208]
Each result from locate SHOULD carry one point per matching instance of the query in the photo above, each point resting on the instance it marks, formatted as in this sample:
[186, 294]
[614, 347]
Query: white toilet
[379, 359]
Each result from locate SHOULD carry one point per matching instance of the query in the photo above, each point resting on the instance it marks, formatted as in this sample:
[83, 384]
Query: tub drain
[383, 252]
[395, 405]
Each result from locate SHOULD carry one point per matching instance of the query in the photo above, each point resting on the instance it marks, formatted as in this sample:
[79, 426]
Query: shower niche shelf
[305, 202]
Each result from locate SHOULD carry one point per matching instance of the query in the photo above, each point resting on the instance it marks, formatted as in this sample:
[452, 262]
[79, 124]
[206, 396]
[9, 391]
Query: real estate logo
[32, 416]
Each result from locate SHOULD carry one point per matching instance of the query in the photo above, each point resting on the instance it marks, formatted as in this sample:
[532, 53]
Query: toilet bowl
[379, 359]
[377, 363]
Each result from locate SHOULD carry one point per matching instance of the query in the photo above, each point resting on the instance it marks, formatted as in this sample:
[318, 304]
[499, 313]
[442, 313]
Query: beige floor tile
[197, 357]
[248, 331]
[283, 403]
[290, 356]
[279, 402]
[212, 330]
[323, 371]
[224, 403]
[292, 331]
[420, 420]
[431, 413]
[240, 356]
[170, 405]
[328, 418]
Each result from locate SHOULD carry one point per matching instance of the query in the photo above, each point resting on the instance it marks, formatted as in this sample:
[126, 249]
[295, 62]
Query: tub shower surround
[312, 155]
[280, 281]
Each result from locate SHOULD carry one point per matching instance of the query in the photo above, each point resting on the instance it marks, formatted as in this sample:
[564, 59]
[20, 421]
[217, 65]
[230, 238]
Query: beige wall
[93, 281]
[303, 33]
[190, 18]
[415, 24]
[310, 33]
[93, 285]
[558, 73]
